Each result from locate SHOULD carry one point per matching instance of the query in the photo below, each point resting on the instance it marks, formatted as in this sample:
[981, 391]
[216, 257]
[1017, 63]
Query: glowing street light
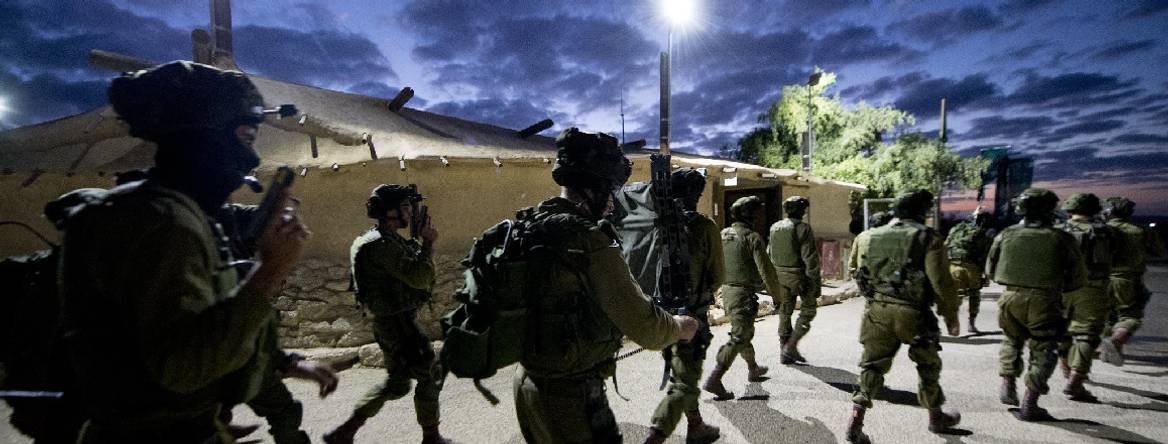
[679, 13]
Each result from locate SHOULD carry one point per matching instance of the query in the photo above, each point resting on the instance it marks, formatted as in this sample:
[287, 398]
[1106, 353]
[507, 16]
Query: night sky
[1080, 85]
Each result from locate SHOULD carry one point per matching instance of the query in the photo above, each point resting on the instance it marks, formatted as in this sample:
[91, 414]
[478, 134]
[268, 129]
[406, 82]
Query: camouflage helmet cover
[184, 96]
[387, 197]
[913, 204]
[588, 160]
[742, 210]
[1120, 207]
[1082, 203]
[687, 183]
[1036, 202]
[796, 205]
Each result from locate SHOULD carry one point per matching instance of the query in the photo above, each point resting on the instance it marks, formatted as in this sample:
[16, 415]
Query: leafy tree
[849, 144]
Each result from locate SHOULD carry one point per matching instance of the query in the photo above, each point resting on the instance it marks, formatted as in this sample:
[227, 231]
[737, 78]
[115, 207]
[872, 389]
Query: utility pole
[665, 91]
[940, 182]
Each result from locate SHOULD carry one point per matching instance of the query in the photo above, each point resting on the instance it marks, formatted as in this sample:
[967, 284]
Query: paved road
[810, 403]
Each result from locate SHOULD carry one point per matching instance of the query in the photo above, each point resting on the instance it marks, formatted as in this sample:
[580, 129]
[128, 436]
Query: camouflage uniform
[903, 271]
[190, 343]
[393, 277]
[1126, 285]
[967, 245]
[795, 256]
[747, 269]
[559, 389]
[706, 274]
[1037, 263]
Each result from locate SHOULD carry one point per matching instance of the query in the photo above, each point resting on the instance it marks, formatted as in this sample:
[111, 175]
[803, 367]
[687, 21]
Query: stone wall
[318, 310]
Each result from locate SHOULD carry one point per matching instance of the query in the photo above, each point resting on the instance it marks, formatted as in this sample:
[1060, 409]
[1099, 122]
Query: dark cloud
[1009, 128]
[1022, 6]
[858, 44]
[1072, 89]
[46, 96]
[1123, 48]
[1086, 165]
[1108, 114]
[923, 98]
[1144, 8]
[515, 114]
[819, 9]
[320, 57]
[947, 26]
[1141, 139]
[1019, 54]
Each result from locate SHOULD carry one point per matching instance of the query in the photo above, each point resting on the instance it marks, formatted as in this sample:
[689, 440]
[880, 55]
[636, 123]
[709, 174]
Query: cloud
[1088, 166]
[944, 27]
[1123, 48]
[321, 57]
[1141, 139]
[46, 96]
[857, 44]
[1012, 7]
[1019, 53]
[1144, 9]
[1071, 89]
[514, 114]
[1009, 128]
[923, 98]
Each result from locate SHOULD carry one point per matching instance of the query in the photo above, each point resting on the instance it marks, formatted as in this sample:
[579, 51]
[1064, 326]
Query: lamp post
[678, 13]
[809, 146]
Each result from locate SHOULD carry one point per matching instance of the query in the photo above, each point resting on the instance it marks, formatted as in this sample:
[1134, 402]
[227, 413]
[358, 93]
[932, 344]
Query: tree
[849, 144]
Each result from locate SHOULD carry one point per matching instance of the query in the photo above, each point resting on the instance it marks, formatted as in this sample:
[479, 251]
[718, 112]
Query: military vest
[1129, 258]
[1029, 257]
[739, 254]
[895, 260]
[380, 292]
[700, 250]
[1096, 240]
[965, 244]
[784, 245]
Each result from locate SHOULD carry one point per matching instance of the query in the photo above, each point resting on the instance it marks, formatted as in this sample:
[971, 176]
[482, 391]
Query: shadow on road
[1159, 401]
[973, 339]
[846, 381]
[762, 424]
[1099, 431]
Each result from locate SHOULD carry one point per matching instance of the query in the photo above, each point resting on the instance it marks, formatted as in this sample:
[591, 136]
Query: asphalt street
[810, 403]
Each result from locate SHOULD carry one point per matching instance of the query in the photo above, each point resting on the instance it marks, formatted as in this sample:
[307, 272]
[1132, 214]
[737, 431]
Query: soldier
[1088, 307]
[902, 272]
[1126, 285]
[393, 276]
[967, 245]
[706, 274]
[1037, 263]
[274, 402]
[876, 220]
[147, 268]
[795, 255]
[747, 269]
[587, 299]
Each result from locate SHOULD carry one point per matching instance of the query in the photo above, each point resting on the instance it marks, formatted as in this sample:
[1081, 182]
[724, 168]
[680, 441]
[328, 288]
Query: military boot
[698, 432]
[430, 435]
[1030, 410]
[344, 433]
[973, 326]
[1009, 391]
[239, 431]
[941, 421]
[791, 353]
[1075, 390]
[1113, 347]
[714, 384]
[755, 372]
[655, 436]
[855, 433]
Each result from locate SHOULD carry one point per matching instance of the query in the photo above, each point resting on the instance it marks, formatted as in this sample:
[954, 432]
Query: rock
[338, 358]
[370, 355]
[338, 285]
[339, 273]
[766, 305]
[356, 337]
[284, 303]
[313, 264]
[306, 279]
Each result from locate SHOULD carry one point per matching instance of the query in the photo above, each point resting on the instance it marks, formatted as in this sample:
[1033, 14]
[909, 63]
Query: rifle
[419, 218]
[267, 208]
[673, 284]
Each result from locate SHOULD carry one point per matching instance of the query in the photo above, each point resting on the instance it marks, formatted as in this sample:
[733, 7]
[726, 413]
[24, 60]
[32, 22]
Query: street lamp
[679, 13]
[807, 147]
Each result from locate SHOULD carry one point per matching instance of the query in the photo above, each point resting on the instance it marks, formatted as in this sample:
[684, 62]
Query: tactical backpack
[894, 264]
[962, 241]
[1097, 242]
[513, 306]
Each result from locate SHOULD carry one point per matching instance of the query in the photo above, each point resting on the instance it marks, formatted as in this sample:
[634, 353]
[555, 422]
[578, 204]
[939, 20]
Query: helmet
[796, 205]
[1082, 203]
[1036, 203]
[57, 211]
[1120, 207]
[688, 184]
[590, 161]
[743, 209]
[879, 219]
[184, 96]
[387, 197]
[913, 204]
[980, 217]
